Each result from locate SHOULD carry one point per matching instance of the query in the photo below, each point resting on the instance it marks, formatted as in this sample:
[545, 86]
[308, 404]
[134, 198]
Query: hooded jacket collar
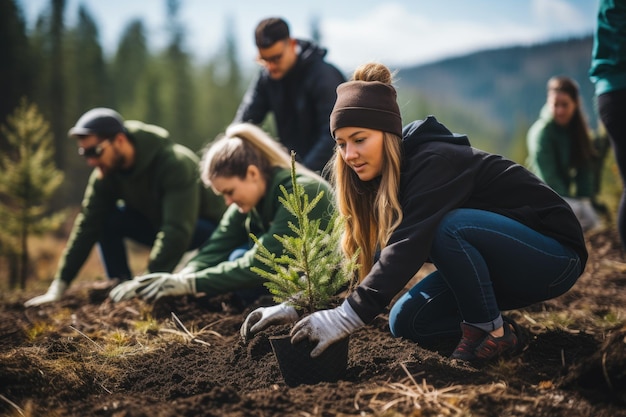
[309, 53]
[148, 141]
[429, 130]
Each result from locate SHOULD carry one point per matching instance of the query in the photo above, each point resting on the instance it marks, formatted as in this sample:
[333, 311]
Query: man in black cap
[298, 87]
[145, 187]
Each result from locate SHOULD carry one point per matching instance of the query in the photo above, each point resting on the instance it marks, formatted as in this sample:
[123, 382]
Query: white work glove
[326, 327]
[130, 289]
[54, 293]
[263, 317]
[169, 285]
[584, 211]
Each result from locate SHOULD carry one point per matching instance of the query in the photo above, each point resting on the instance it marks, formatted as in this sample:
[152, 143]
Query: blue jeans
[125, 222]
[486, 263]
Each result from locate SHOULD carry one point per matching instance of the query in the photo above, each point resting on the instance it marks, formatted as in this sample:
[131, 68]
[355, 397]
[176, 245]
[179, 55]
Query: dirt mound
[88, 356]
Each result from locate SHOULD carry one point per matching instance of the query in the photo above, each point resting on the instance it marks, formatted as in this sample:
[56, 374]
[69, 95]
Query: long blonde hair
[242, 145]
[372, 209]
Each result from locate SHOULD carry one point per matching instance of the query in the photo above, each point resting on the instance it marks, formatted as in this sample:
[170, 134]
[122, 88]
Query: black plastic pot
[297, 366]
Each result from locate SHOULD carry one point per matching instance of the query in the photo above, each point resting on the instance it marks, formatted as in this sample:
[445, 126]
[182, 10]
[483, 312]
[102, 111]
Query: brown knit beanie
[369, 104]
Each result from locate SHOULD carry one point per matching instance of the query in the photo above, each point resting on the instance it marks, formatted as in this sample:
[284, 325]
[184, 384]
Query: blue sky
[398, 33]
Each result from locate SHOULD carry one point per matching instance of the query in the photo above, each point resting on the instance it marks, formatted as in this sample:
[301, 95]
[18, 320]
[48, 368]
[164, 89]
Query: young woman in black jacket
[499, 237]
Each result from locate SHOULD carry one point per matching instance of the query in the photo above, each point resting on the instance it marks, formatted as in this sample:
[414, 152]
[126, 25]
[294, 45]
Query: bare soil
[86, 356]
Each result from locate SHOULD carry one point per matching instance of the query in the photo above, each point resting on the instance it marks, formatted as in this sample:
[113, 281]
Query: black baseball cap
[99, 121]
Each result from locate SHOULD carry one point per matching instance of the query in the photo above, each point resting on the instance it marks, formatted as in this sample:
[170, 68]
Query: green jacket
[215, 274]
[549, 149]
[164, 185]
[608, 56]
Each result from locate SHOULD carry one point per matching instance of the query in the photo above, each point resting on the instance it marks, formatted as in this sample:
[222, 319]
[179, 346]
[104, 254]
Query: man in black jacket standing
[298, 87]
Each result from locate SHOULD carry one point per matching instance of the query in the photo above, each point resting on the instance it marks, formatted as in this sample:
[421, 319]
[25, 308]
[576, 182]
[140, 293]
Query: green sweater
[163, 185]
[215, 274]
[549, 153]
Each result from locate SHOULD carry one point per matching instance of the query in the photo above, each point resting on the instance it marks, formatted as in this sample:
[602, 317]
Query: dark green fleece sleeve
[180, 201]
[229, 276]
[98, 201]
[230, 234]
[547, 158]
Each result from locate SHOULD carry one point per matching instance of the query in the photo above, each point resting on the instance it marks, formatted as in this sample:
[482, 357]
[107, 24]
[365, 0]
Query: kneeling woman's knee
[425, 314]
[403, 317]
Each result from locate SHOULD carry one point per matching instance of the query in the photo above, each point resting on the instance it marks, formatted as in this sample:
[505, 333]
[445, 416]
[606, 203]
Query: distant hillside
[504, 88]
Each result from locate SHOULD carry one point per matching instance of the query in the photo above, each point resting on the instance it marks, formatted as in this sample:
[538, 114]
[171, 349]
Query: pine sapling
[312, 269]
[28, 179]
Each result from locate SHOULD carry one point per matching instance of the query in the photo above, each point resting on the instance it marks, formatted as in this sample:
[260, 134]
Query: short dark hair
[269, 31]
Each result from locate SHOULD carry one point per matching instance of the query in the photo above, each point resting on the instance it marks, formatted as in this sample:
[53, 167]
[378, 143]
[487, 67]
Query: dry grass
[422, 398]
[190, 336]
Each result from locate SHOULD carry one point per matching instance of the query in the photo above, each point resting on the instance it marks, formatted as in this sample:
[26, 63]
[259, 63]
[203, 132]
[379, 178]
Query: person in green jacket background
[561, 152]
[247, 167]
[145, 187]
[608, 74]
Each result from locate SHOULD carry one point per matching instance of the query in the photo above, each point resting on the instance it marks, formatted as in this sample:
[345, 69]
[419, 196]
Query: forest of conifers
[493, 96]
[64, 71]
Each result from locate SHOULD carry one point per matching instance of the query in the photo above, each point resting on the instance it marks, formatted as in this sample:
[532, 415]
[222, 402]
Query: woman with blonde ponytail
[499, 237]
[247, 167]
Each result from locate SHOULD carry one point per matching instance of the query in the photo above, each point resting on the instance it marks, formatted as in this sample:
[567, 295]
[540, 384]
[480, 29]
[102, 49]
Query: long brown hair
[372, 209]
[582, 149]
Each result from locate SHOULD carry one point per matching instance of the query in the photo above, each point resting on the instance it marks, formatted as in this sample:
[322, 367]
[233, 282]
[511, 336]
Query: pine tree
[16, 66]
[312, 269]
[129, 67]
[28, 178]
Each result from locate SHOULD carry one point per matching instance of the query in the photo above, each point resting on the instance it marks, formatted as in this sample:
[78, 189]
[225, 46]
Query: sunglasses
[274, 59]
[92, 151]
